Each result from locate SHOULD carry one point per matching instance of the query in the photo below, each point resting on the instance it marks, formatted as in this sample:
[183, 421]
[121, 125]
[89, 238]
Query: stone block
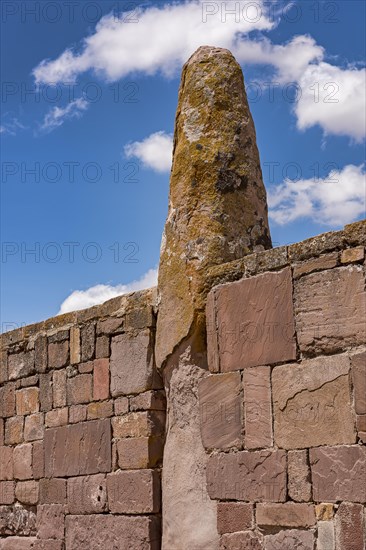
[79, 389]
[324, 511]
[289, 540]
[27, 492]
[88, 342]
[75, 347]
[213, 357]
[326, 538]
[102, 347]
[338, 473]
[247, 475]
[358, 362]
[14, 430]
[45, 391]
[27, 401]
[7, 492]
[29, 381]
[59, 388]
[132, 369]
[326, 261]
[134, 492]
[87, 495]
[100, 409]
[2, 431]
[109, 326]
[77, 413]
[139, 424]
[58, 354]
[40, 354]
[50, 521]
[147, 401]
[139, 452]
[38, 459]
[299, 485]
[34, 427]
[220, 402]
[101, 379]
[20, 364]
[244, 540]
[48, 545]
[121, 405]
[263, 333]
[18, 543]
[3, 366]
[234, 516]
[23, 461]
[7, 400]
[289, 514]
[6, 463]
[330, 310]
[349, 526]
[78, 449]
[349, 255]
[58, 336]
[361, 422]
[52, 491]
[17, 520]
[101, 532]
[57, 417]
[257, 407]
[312, 403]
[86, 367]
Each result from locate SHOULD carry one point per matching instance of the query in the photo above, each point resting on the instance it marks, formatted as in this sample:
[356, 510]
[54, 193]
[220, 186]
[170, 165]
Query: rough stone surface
[79, 389]
[58, 354]
[7, 492]
[50, 521]
[87, 495]
[220, 404]
[349, 526]
[75, 346]
[17, 520]
[59, 388]
[101, 379]
[45, 391]
[40, 354]
[27, 492]
[14, 430]
[102, 347]
[139, 424]
[134, 492]
[20, 364]
[100, 409]
[23, 461]
[330, 310]
[326, 261]
[7, 400]
[128, 350]
[257, 407]
[291, 539]
[324, 511]
[149, 400]
[77, 413]
[139, 452]
[94, 532]
[34, 427]
[6, 463]
[338, 473]
[78, 449]
[121, 405]
[87, 342]
[18, 543]
[234, 516]
[27, 401]
[248, 475]
[57, 417]
[350, 255]
[299, 485]
[263, 333]
[244, 540]
[289, 514]
[326, 538]
[312, 403]
[52, 491]
[358, 362]
[38, 459]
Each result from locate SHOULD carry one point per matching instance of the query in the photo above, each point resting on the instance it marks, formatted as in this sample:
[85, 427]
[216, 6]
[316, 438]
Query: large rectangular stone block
[101, 532]
[290, 539]
[134, 492]
[234, 516]
[338, 473]
[330, 310]
[20, 364]
[6, 463]
[257, 407]
[220, 403]
[350, 534]
[255, 321]
[289, 514]
[78, 449]
[358, 362]
[247, 475]
[312, 403]
[87, 494]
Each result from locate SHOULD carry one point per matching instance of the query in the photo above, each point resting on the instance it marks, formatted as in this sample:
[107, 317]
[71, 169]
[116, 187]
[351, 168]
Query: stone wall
[283, 410]
[82, 431]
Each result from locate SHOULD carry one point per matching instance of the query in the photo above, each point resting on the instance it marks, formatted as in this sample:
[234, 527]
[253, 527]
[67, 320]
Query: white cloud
[80, 299]
[57, 115]
[337, 199]
[11, 128]
[154, 152]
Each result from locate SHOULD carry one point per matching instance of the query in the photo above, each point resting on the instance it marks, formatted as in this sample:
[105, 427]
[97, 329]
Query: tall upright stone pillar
[217, 213]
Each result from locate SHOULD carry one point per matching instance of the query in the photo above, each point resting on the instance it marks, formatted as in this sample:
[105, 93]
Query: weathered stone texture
[87, 342]
[338, 473]
[330, 310]
[358, 362]
[59, 388]
[139, 452]
[324, 511]
[248, 475]
[243, 540]
[79, 389]
[312, 403]
[350, 255]
[101, 379]
[350, 527]
[20, 364]
[58, 354]
[326, 261]
[134, 492]
[75, 346]
[17, 520]
[52, 491]
[289, 514]
[139, 424]
[45, 391]
[7, 495]
[40, 354]
[6, 463]
[34, 427]
[18, 543]
[7, 400]
[326, 537]
[102, 347]
[50, 521]
[14, 430]
[149, 400]
[27, 401]
[57, 417]
[299, 485]
[234, 516]
[27, 492]
[23, 461]
[100, 409]
[38, 459]
[87, 495]
[257, 407]
[220, 403]
[263, 333]
[77, 449]
[291, 539]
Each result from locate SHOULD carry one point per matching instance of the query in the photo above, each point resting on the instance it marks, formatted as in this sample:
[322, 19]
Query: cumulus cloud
[154, 152]
[335, 200]
[58, 115]
[80, 299]
[11, 128]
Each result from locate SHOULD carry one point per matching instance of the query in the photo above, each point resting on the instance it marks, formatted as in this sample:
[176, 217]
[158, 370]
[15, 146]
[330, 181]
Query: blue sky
[89, 94]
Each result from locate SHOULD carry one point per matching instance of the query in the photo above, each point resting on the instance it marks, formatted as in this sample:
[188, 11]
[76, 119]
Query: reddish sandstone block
[59, 388]
[128, 350]
[257, 407]
[14, 430]
[262, 334]
[34, 427]
[349, 526]
[45, 391]
[102, 532]
[338, 473]
[48, 545]
[87, 342]
[27, 401]
[87, 495]
[234, 516]
[20, 364]
[139, 452]
[75, 347]
[325, 538]
[29, 381]
[40, 354]
[350, 255]
[220, 410]
[78, 449]
[101, 379]
[79, 389]
[52, 491]
[299, 486]
[247, 475]
[102, 347]
[324, 511]
[101, 409]
[139, 424]
[289, 540]
[17, 543]
[85, 368]
[111, 325]
[213, 357]
[134, 492]
[17, 520]
[147, 401]
[244, 540]
[57, 417]
[358, 363]
[121, 405]
[38, 459]
[23, 461]
[77, 413]
[325, 261]
[7, 400]
[2, 430]
[289, 514]
[6, 463]
[58, 354]
[3, 366]
[330, 310]
[27, 492]
[7, 492]
[50, 521]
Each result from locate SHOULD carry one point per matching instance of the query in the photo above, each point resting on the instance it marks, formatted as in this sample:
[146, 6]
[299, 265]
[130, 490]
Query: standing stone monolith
[217, 213]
